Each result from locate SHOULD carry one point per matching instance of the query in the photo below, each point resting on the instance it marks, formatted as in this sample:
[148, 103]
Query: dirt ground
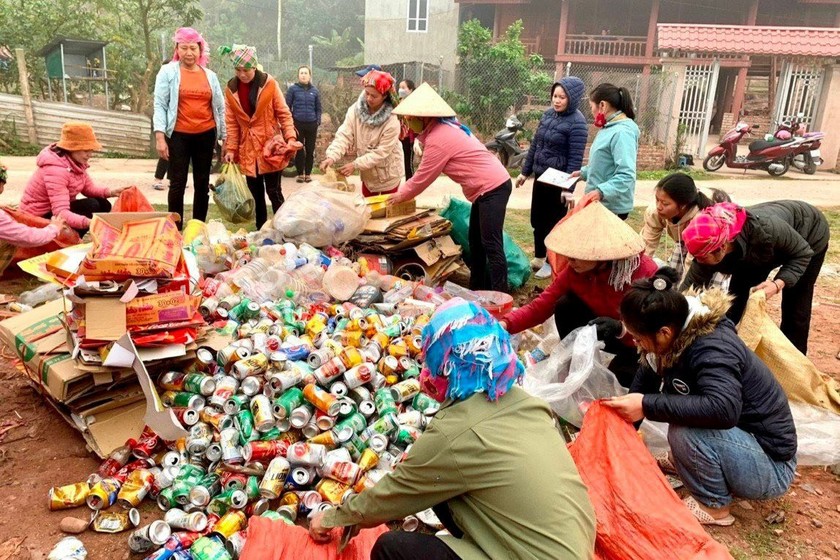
[39, 450]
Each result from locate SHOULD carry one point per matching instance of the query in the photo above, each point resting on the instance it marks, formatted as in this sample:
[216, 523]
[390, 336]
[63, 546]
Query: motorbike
[772, 156]
[505, 146]
[808, 156]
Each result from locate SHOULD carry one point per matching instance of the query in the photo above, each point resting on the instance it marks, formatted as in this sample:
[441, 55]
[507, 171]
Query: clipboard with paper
[559, 179]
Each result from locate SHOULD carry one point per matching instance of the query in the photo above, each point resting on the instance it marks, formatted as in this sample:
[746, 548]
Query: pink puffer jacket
[57, 182]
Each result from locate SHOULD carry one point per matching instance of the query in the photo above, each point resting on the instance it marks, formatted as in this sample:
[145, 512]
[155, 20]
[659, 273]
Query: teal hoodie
[612, 165]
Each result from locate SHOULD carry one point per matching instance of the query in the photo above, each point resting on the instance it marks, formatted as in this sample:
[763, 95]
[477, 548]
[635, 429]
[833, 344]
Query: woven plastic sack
[274, 540]
[458, 212]
[231, 195]
[132, 200]
[321, 216]
[10, 254]
[798, 376]
[638, 513]
[573, 376]
[279, 153]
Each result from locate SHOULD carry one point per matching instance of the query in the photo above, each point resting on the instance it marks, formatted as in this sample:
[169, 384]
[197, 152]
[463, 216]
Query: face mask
[416, 125]
[600, 120]
[403, 93]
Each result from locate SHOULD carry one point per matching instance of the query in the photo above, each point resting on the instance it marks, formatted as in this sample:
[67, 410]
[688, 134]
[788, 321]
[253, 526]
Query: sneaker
[158, 186]
[299, 179]
[536, 263]
[543, 272]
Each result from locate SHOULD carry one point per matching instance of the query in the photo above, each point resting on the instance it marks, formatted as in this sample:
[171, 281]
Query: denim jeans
[716, 465]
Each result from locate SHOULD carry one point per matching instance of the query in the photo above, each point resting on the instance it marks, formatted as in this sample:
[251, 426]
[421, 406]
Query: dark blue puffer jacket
[561, 137]
[305, 103]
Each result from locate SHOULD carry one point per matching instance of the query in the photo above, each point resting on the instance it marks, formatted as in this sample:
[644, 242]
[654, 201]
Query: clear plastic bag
[321, 217]
[574, 374]
[231, 195]
[817, 434]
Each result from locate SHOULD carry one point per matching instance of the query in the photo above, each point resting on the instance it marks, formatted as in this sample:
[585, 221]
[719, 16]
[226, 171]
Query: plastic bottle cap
[290, 293]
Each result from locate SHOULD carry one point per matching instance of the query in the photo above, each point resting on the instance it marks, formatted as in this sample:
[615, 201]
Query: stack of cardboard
[413, 240]
[65, 346]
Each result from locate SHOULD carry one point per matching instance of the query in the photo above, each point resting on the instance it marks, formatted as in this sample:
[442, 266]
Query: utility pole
[279, 30]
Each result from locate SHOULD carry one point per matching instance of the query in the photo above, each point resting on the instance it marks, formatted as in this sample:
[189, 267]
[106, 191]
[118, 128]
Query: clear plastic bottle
[41, 294]
[426, 293]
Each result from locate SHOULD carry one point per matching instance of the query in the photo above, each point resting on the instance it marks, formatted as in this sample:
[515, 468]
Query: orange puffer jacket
[246, 135]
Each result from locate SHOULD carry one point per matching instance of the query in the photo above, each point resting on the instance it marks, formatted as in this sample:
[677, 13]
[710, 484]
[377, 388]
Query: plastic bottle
[41, 294]
[454, 290]
[290, 251]
[398, 295]
[425, 293]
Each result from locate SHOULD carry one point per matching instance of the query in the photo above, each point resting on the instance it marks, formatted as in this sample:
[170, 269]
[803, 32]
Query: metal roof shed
[75, 59]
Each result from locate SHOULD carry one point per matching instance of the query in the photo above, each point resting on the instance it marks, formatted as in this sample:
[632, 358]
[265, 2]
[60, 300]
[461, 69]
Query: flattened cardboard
[384, 225]
[105, 319]
[110, 429]
[434, 250]
[32, 325]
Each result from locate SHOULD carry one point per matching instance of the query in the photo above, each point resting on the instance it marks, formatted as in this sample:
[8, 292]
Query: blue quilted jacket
[561, 137]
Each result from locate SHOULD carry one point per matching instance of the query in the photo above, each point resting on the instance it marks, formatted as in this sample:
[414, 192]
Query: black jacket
[710, 379]
[785, 233]
[560, 139]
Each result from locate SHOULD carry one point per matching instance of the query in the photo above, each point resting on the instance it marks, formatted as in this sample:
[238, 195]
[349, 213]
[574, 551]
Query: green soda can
[207, 487]
[181, 490]
[233, 498]
[210, 548]
[412, 371]
[384, 401]
[199, 383]
[271, 514]
[393, 331]
[252, 488]
[424, 403]
[350, 426]
[217, 507]
[341, 324]
[287, 402]
[271, 435]
[166, 499]
[406, 436]
[355, 446]
[245, 424]
[235, 403]
[184, 399]
[385, 425]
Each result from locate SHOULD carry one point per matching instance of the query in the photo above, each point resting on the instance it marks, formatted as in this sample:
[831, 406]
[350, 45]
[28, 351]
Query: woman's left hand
[770, 287]
[347, 169]
[628, 406]
[317, 531]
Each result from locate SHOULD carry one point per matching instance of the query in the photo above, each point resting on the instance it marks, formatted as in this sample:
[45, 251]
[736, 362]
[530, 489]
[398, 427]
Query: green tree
[496, 76]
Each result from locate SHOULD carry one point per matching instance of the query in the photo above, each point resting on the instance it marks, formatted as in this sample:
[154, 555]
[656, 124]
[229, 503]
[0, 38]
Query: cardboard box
[33, 325]
[379, 207]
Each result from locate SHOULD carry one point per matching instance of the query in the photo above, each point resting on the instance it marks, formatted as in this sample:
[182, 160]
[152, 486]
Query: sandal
[663, 459]
[307, 179]
[703, 517]
[299, 179]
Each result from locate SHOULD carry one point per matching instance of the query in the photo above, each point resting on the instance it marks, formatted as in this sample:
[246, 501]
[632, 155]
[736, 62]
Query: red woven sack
[274, 540]
[638, 513]
[66, 238]
[132, 200]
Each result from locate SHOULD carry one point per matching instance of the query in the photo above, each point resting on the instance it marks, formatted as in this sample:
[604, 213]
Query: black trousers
[488, 268]
[267, 183]
[87, 207]
[399, 545]
[547, 208]
[305, 158]
[796, 299]
[161, 169]
[571, 312]
[408, 156]
[185, 149]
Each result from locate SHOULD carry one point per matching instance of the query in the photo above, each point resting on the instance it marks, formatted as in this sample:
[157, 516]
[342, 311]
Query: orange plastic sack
[132, 200]
[66, 238]
[638, 514]
[279, 153]
[274, 540]
[559, 262]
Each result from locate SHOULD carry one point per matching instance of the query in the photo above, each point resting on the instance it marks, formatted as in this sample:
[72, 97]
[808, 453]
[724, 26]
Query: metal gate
[698, 99]
[798, 93]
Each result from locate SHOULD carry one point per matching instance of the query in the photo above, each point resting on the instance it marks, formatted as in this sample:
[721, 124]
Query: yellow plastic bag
[799, 377]
[231, 195]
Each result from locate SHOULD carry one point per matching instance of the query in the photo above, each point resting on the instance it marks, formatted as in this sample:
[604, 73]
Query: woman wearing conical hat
[605, 257]
[450, 148]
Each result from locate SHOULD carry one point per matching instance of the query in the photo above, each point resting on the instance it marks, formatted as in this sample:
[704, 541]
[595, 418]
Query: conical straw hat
[595, 234]
[424, 102]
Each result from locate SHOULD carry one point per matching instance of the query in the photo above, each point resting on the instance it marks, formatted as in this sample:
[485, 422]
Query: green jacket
[506, 475]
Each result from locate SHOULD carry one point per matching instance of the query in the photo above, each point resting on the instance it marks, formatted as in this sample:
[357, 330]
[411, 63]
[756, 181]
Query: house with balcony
[716, 46]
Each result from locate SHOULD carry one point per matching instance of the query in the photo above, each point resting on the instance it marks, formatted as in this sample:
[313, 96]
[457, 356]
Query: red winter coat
[593, 289]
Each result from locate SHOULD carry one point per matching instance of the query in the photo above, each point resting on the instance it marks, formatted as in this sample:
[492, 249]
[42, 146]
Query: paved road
[822, 189]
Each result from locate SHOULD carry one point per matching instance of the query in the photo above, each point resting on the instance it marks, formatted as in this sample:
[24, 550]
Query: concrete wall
[388, 42]
[828, 117]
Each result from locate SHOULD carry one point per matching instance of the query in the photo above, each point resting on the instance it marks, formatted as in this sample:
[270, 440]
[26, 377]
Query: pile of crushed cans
[310, 404]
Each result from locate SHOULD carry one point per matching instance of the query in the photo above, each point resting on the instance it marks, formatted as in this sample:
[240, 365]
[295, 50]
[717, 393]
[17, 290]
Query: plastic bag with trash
[817, 434]
[574, 374]
[68, 548]
[320, 217]
[231, 195]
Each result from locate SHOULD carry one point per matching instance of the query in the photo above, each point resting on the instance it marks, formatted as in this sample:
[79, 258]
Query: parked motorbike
[772, 156]
[808, 156]
[505, 146]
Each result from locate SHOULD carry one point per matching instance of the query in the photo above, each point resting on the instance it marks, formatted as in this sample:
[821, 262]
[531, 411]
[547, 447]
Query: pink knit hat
[712, 228]
[190, 35]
